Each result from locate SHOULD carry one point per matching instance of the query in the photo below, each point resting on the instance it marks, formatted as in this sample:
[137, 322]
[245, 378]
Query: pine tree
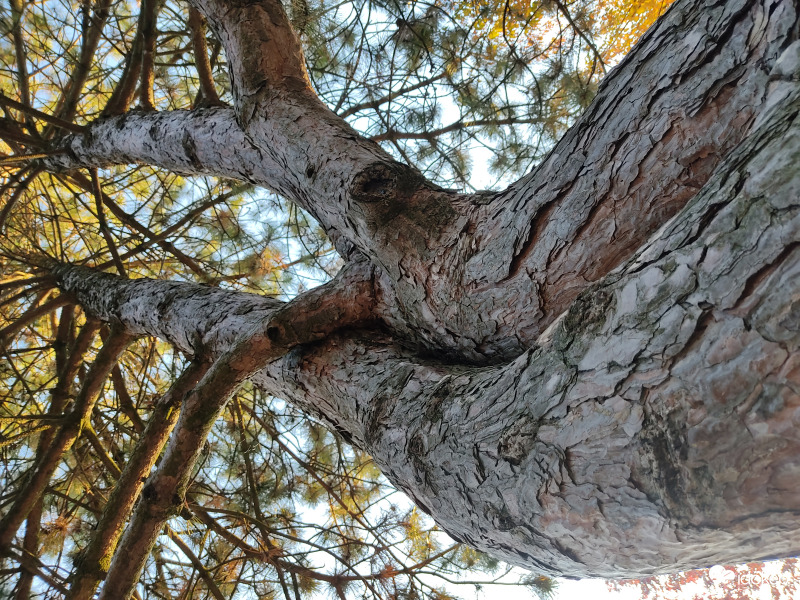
[589, 373]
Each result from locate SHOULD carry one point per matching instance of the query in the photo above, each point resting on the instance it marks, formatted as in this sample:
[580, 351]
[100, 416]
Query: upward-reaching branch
[331, 167]
[565, 457]
[197, 26]
[73, 422]
[95, 558]
[347, 301]
[645, 146]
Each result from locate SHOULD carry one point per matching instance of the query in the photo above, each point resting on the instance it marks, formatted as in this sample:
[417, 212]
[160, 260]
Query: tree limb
[344, 302]
[571, 429]
[147, 26]
[95, 559]
[94, 20]
[197, 27]
[39, 476]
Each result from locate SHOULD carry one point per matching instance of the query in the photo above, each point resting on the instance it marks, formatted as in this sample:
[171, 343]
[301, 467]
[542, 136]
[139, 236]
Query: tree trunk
[591, 373]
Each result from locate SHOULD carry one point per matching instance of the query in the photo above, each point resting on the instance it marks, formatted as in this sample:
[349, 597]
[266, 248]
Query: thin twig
[101, 217]
[52, 120]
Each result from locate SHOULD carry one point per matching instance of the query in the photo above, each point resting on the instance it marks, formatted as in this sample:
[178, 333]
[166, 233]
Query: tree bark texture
[592, 373]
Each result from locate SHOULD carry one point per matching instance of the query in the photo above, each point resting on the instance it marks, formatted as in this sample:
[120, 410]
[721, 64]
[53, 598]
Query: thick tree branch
[344, 302]
[663, 120]
[619, 423]
[199, 142]
[95, 559]
[572, 432]
[149, 34]
[206, 141]
[162, 308]
[197, 26]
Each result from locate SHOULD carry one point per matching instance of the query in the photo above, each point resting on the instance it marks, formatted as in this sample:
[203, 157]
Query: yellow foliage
[614, 26]
[418, 536]
[440, 594]
[622, 22]
[54, 533]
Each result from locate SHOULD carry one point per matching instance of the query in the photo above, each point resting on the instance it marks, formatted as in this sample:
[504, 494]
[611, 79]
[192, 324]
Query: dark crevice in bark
[190, 149]
[697, 336]
[708, 216]
[537, 226]
[379, 182]
[716, 48]
[756, 279]
[389, 399]
[663, 442]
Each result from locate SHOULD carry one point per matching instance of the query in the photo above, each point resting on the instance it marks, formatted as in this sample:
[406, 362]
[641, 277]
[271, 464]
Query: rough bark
[95, 559]
[344, 302]
[208, 90]
[582, 374]
[570, 456]
[483, 275]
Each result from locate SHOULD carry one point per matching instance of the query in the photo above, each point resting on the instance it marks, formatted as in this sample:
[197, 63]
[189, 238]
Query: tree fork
[346, 301]
[562, 457]
[645, 146]
[536, 426]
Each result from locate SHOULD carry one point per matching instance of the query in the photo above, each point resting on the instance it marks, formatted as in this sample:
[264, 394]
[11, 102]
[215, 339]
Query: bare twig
[101, 217]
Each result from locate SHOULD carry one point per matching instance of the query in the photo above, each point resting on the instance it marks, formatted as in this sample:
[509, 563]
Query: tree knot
[518, 440]
[376, 183]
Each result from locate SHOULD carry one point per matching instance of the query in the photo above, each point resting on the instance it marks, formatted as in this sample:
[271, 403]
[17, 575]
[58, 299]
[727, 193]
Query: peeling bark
[483, 275]
[592, 373]
[659, 126]
[654, 428]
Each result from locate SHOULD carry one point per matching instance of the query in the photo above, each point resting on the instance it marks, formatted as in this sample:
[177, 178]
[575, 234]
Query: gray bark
[483, 275]
[593, 373]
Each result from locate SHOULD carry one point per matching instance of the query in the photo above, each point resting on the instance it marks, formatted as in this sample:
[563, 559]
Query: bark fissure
[662, 135]
[630, 380]
[569, 431]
